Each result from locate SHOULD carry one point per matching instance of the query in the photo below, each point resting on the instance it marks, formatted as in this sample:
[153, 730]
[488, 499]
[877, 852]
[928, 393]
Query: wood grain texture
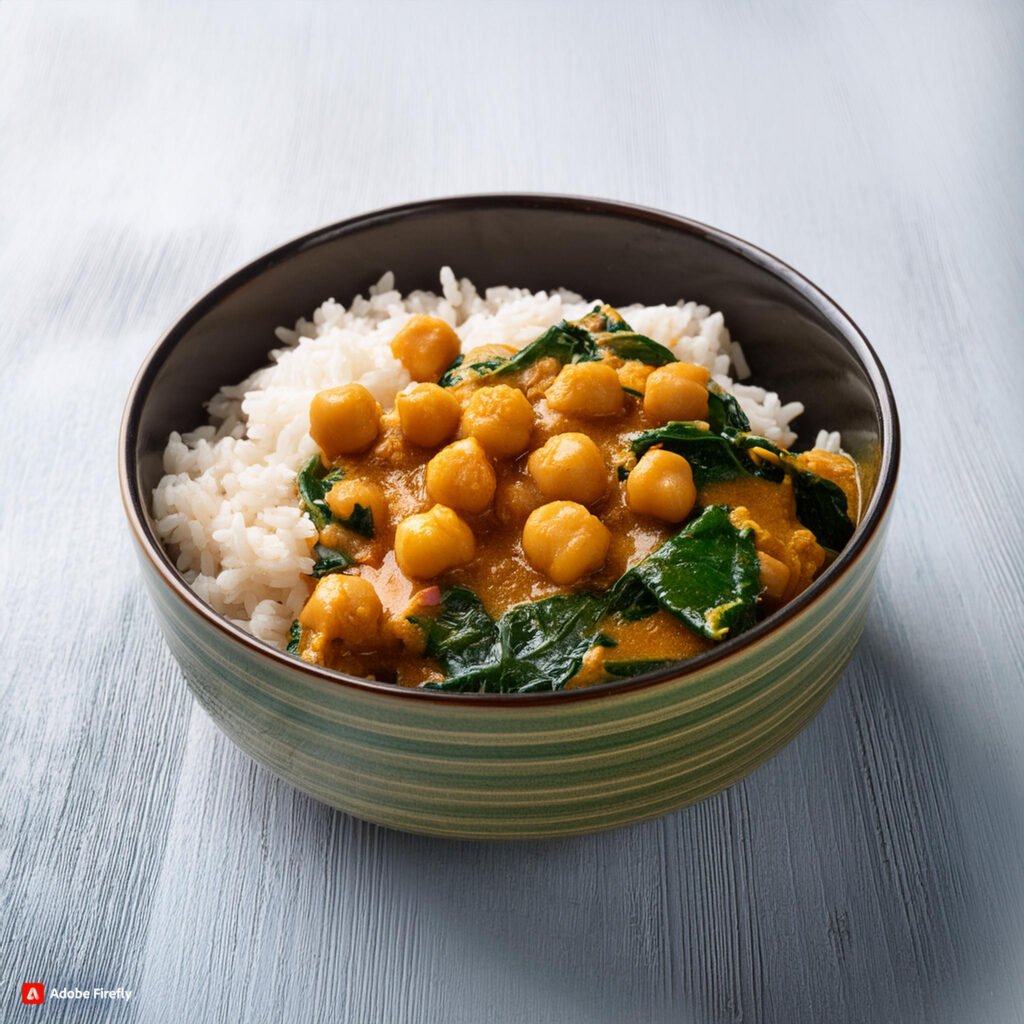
[874, 871]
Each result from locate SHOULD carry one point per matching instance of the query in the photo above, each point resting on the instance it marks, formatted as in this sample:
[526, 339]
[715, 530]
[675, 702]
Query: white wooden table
[874, 871]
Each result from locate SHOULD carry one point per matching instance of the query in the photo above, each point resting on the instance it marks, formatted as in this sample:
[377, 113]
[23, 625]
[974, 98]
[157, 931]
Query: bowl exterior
[571, 765]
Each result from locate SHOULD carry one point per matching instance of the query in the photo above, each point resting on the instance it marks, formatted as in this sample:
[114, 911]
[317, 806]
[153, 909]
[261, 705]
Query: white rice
[227, 508]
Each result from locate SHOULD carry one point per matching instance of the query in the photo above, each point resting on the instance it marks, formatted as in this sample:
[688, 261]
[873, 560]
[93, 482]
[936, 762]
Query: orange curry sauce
[375, 640]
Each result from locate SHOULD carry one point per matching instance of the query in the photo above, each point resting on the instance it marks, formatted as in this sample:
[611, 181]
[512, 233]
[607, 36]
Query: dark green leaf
[630, 345]
[294, 637]
[313, 482]
[451, 375]
[707, 575]
[329, 560]
[565, 342]
[755, 463]
[631, 600]
[724, 411]
[569, 343]
[534, 646]
[543, 642]
[463, 638]
[617, 324]
[361, 521]
[608, 330]
[458, 372]
[821, 507]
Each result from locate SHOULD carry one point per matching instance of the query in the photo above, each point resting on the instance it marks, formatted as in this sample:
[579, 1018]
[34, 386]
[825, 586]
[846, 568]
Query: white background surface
[873, 871]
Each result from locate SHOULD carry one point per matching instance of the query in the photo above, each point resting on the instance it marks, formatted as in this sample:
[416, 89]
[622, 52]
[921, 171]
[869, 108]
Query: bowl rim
[855, 340]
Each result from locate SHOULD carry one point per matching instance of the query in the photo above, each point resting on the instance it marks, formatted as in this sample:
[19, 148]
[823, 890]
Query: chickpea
[692, 371]
[500, 418]
[344, 420]
[569, 466]
[343, 497]
[661, 485]
[428, 414]
[430, 543]
[426, 346]
[461, 477]
[344, 608]
[586, 389]
[677, 391]
[774, 577]
[633, 374]
[565, 542]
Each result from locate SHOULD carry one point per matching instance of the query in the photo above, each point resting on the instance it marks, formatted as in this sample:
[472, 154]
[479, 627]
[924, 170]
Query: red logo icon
[33, 992]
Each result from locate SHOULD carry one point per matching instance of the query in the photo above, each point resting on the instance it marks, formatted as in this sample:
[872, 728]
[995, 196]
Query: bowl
[552, 764]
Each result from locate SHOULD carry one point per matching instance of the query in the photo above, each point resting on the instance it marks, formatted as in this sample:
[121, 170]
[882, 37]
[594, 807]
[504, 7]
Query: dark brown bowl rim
[833, 312]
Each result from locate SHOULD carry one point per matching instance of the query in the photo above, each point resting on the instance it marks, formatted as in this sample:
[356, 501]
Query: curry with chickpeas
[583, 509]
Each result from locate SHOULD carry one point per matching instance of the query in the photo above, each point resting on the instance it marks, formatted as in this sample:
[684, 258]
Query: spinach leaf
[750, 449]
[329, 560]
[608, 329]
[821, 507]
[630, 600]
[724, 411]
[458, 372]
[543, 642]
[361, 521]
[451, 375]
[294, 637]
[566, 342]
[534, 646]
[630, 345]
[313, 482]
[614, 322]
[464, 639]
[707, 575]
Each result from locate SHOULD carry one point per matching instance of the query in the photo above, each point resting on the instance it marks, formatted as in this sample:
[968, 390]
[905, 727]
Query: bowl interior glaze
[796, 339]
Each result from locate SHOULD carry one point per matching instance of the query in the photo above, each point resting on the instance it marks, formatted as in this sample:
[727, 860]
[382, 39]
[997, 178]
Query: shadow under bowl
[518, 766]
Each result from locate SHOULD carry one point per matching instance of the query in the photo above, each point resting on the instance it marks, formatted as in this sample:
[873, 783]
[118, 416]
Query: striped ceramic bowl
[509, 766]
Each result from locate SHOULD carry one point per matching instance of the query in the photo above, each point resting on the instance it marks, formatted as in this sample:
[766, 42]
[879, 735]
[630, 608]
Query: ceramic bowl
[511, 766]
